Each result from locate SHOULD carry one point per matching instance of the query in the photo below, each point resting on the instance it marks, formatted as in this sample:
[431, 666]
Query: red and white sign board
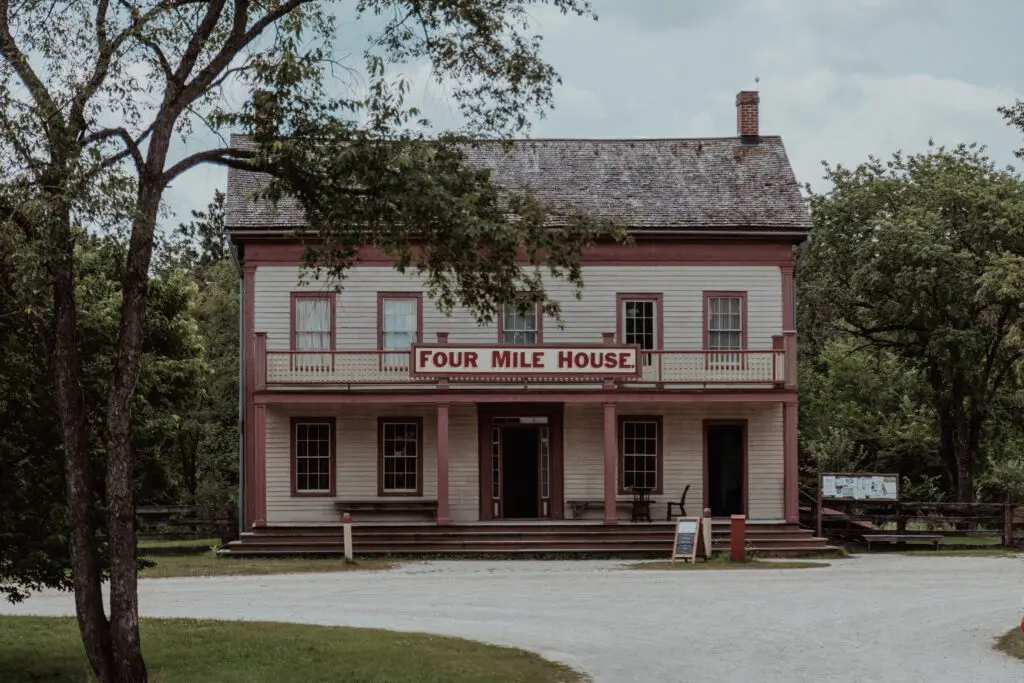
[526, 361]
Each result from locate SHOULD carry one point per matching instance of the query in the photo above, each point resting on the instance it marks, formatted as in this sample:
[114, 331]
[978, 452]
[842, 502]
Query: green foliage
[33, 534]
[922, 257]
[863, 409]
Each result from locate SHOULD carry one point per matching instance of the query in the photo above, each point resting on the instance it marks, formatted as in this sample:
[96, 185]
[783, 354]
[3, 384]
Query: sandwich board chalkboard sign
[689, 541]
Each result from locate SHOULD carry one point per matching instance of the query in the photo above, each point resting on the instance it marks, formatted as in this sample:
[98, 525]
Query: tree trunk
[124, 587]
[963, 452]
[67, 377]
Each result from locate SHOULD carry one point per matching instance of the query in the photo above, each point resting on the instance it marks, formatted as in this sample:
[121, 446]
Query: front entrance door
[725, 450]
[520, 461]
[520, 473]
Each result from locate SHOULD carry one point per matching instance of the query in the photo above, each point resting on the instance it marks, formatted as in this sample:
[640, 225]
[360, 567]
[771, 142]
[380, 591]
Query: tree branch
[225, 156]
[131, 146]
[36, 88]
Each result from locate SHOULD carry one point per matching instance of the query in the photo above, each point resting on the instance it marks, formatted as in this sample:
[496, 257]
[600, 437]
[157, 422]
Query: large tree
[922, 257]
[91, 96]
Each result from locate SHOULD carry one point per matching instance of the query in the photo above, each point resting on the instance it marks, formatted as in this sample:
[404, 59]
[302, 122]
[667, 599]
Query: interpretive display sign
[444, 360]
[860, 486]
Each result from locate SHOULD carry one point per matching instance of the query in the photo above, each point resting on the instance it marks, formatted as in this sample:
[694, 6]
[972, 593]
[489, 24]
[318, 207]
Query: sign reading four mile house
[526, 361]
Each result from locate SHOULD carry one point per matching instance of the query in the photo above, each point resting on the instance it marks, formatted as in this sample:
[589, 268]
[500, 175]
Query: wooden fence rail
[853, 519]
[185, 522]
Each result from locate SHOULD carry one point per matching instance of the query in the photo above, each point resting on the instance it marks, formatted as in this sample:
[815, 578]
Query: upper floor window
[518, 328]
[313, 456]
[725, 319]
[640, 316]
[399, 324]
[312, 321]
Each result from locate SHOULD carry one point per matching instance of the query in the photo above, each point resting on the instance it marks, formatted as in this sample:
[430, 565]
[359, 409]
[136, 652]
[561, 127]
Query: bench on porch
[934, 539]
[427, 508]
[578, 507]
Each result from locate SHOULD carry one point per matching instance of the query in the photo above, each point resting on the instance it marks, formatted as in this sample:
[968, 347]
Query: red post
[789, 342]
[738, 538]
[260, 361]
[260, 465]
[610, 457]
[790, 468]
[443, 516]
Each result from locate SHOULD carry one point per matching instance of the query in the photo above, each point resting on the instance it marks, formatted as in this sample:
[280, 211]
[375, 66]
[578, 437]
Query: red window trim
[742, 296]
[620, 315]
[295, 296]
[501, 325]
[381, 421]
[296, 493]
[660, 478]
[380, 314]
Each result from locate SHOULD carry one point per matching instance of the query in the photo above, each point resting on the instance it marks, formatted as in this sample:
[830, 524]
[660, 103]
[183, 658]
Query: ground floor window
[400, 468]
[313, 456]
[640, 452]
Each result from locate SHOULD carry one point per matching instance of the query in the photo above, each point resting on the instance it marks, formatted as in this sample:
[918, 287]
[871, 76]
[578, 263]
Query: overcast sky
[839, 79]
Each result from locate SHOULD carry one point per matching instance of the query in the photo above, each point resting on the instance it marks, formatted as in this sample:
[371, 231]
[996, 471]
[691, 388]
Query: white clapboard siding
[584, 320]
[683, 442]
[357, 458]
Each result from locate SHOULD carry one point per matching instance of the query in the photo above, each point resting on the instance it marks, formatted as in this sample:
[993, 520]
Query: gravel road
[879, 618]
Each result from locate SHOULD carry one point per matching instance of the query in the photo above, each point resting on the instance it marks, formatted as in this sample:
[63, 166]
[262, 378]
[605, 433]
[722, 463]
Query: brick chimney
[747, 116]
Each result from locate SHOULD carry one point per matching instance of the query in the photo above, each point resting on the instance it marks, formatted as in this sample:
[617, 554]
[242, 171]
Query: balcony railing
[277, 369]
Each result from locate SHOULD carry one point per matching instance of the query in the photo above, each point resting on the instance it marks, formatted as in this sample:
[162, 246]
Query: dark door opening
[519, 473]
[726, 469]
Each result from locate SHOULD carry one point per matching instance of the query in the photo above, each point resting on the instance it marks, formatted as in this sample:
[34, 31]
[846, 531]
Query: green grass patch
[722, 561]
[211, 564]
[1012, 643]
[973, 541]
[184, 650]
[181, 543]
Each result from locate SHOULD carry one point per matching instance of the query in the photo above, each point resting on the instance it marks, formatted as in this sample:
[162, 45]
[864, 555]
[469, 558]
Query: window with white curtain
[399, 327]
[517, 328]
[312, 331]
[313, 323]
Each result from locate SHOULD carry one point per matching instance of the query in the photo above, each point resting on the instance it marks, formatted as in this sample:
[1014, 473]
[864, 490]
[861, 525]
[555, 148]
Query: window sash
[312, 323]
[313, 457]
[639, 454]
[517, 328]
[400, 445]
[725, 331]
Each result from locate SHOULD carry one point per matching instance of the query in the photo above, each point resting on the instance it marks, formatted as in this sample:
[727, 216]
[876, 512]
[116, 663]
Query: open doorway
[725, 453]
[520, 473]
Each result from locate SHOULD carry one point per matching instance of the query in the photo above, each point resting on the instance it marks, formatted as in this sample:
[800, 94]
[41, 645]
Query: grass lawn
[1012, 643]
[180, 651]
[210, 564]
[721, 561]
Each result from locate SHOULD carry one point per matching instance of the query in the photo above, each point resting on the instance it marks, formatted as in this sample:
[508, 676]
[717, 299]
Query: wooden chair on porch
[641, 504]
[681, 505]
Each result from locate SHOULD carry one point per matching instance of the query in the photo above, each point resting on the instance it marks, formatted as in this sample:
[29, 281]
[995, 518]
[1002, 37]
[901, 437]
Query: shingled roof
[685, 184]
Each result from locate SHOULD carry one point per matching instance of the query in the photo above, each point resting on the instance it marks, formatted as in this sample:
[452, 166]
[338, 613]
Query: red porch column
[259, 473]
[789, 450]
[443, 516]
[610, 455]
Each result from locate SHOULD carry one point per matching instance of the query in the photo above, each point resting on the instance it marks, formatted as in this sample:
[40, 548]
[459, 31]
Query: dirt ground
[877, 618]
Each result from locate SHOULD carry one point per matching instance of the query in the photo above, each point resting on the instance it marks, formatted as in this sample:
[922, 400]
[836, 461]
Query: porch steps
[561, 538]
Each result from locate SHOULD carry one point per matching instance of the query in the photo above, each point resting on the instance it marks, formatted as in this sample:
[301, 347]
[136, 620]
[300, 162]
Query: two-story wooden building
[676, 371]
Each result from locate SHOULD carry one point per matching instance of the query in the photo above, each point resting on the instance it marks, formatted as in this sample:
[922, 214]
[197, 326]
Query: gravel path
[879, 618]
